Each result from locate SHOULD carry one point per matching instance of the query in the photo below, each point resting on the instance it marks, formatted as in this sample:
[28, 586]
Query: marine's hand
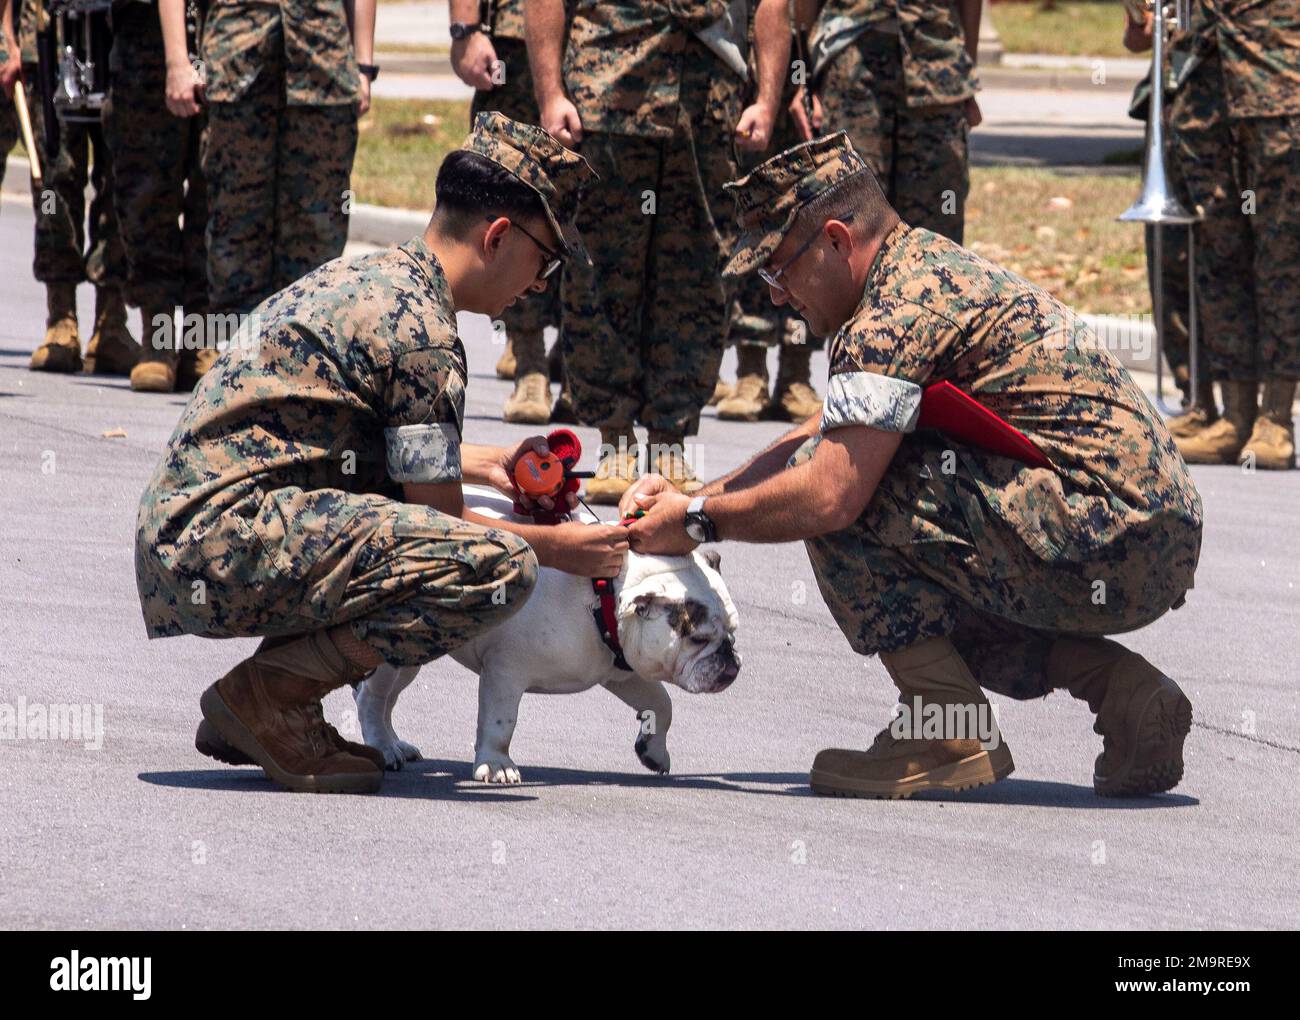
[589, 550]
[754, 129]
[184, 90]
[663, 529]
[473, 59]
[560, 118]
[645, 486]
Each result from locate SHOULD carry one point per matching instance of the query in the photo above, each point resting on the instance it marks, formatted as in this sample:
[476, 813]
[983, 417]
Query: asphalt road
[144, 832]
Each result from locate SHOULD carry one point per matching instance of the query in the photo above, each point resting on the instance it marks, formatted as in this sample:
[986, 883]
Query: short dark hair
[859, 196]
[470, 186]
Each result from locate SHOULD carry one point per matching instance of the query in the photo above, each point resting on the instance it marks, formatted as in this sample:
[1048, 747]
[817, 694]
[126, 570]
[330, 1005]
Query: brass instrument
[73, 38]
[1157, 205]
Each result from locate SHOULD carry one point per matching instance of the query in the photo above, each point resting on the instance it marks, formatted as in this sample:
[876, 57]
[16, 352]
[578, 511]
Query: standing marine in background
[286, 82]
[899, 76]
[488, 53]
[756, 325]
[153, 123]
[651, 95]
[1235, 137]
[65, 255]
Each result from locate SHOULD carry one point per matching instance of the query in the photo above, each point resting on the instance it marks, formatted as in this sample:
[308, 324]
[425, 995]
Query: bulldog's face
[677, 623]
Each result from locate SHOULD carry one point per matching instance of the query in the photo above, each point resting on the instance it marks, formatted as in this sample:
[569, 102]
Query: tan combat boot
[530, 403]
[112, 349]
[1143, 717]
[1272, 441]
[938, 742]
[1201, 411]
[617, 469]
[1221, 442]
[506, 363]
[721, 391]
[668, 458]
[268, 709]
[61, 349]
[155, 372]
[794, 398]
[194, 365]
[748, 399]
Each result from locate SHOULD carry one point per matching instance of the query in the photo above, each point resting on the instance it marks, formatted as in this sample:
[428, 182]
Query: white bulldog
[676, 624]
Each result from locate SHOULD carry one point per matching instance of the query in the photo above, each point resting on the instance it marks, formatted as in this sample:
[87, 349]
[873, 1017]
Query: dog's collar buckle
[606, 617]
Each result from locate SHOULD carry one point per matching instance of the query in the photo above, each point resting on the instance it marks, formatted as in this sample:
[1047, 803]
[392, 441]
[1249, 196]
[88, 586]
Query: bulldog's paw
[497, 769]
[653, 753]
[396, 752]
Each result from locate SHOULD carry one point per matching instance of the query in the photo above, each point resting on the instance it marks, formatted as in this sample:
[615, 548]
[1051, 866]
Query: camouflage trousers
[157, 180]
[645, 326]
[278, 191]
[928, 559]
[919, 154]
[1245, 176]
[528, 317]
[413, 583]
[754, 319]
[1175, 296]
[64, 252]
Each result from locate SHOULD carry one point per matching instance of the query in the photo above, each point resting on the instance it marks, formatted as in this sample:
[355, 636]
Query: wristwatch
[463, 30]
[699, 525]
[371, 71]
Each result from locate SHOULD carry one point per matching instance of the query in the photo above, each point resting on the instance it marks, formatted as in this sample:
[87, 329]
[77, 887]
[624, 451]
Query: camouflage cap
[557, 174]
[770, 196]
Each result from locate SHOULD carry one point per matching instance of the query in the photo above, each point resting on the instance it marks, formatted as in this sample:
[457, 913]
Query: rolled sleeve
[423, 453]
[868, 398]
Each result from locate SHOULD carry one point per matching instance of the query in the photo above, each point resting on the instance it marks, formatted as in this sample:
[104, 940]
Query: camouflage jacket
[936, 67]
[352, 378]
[309, 38]
[1258, 45]
[933, 311]
[628, 65]
[507, 19]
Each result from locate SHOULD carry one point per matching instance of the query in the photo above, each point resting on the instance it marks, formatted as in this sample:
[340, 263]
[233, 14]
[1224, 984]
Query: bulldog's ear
[713, 558]
[650, 604]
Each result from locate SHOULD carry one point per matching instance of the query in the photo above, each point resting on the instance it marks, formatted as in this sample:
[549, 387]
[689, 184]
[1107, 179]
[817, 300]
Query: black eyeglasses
[773, 278]
[553, 258]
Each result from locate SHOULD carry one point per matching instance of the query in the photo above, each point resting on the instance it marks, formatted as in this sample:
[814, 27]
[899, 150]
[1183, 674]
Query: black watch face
[458, 31]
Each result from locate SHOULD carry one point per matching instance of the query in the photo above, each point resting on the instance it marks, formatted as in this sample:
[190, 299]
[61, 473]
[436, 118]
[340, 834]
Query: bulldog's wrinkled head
[677, 623]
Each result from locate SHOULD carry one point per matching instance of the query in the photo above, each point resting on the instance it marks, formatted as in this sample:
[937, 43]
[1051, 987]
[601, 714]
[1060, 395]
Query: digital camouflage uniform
[531, 314]
[1235, 129]
[895, 75]
[9, 129]
[996, 555]
[66, 252]
[282, 86]
[277, 506]
[645, 325]
[157, 179]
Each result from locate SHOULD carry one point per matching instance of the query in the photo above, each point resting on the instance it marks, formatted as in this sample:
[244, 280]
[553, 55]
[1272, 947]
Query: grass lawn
[1089, 28]
[401, 146]
[1059, 231]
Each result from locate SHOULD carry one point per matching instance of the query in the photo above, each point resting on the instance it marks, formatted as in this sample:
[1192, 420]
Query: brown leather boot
[530, 403]
[1143, 717]
[506, 363]
[1272, 440]
[748, 399]
[1221, 441]
[793, 397]
[112, 349]
[194, 365]
[156, 370]
[944, 739]
[1200, 409]
[668, 458]
[617, 469]
[268, 708]
[60, 351]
